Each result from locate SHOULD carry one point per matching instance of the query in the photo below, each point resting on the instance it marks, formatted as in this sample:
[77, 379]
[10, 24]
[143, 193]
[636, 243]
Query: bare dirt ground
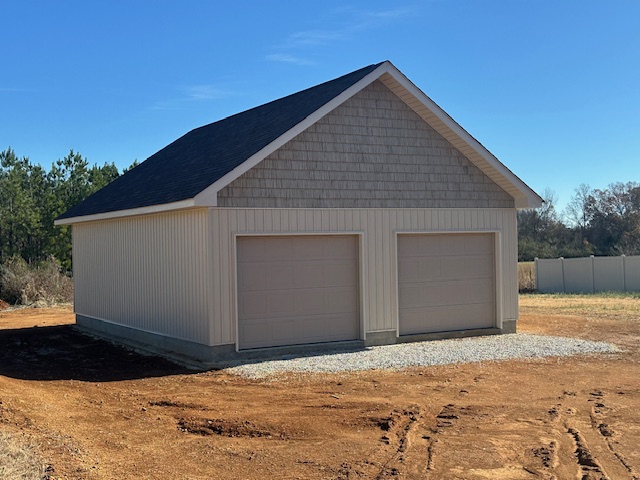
[96, 411]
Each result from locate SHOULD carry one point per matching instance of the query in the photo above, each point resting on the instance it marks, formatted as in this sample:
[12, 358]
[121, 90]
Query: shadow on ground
[62, 353]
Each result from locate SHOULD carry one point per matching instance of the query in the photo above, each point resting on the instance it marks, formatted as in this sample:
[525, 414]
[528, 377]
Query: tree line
[595, 222]
[31, 197]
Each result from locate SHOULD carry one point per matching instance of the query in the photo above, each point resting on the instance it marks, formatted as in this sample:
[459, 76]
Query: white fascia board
[533, 200]
[128, 213]
[208, 197]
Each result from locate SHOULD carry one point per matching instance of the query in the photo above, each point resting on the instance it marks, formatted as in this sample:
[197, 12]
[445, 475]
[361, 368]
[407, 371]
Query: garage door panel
[281, 303]
[329, 300]
[446, 245]
[338, 300]
[481, 267]
[340, 247]
[251, 274]
[254, 250]
[312, 328]
[289, 274]
[481, 245]
[252, 304]
[309, 274]
[340, 274]
[306, 297]
[289, 331]
[431, 320]
[283, 331]
[416, 295]
[453, 245]
[255, 304]
[462, 293]
[309, 301]
[445, 268]
[311, 248]
[417, 269]
[254, 332]
[278, 249]
[280, 275]
[331, 327]
[408, 270]
[445, 282]
[477, 291]
[445, 294]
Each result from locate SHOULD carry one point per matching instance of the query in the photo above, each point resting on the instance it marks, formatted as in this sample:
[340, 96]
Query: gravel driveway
[440, 352]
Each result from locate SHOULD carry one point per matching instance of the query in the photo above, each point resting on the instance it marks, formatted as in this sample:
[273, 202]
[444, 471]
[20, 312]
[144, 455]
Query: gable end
[373, 151]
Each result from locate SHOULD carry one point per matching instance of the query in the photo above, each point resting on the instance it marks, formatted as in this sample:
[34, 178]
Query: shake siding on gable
[372, 151]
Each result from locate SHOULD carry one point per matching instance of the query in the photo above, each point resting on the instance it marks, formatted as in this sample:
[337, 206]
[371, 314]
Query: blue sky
[552, 88]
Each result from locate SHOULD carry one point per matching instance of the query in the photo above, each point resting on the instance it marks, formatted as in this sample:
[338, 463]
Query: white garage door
[297, 289]
[446, 282]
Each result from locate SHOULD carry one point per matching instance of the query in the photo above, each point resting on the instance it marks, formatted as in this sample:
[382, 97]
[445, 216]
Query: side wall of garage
[145, 274]
[377, 230]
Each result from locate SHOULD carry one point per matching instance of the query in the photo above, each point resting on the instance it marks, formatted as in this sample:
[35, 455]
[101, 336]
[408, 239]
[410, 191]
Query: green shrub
[21, 283]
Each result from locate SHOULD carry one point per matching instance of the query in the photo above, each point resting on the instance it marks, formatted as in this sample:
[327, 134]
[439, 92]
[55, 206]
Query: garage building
[354, 211]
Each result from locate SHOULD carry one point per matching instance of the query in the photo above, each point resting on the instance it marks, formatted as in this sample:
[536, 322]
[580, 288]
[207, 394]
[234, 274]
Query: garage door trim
[497, 235]
[361, 290]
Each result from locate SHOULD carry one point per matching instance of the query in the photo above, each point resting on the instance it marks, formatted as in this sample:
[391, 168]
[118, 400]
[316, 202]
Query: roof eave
[164, 207]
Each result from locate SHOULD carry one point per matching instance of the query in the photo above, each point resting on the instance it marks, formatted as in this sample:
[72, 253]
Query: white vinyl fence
[590, 274]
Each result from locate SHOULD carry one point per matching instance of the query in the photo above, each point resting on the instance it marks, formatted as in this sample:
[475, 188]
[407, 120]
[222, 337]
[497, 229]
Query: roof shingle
[196, 160]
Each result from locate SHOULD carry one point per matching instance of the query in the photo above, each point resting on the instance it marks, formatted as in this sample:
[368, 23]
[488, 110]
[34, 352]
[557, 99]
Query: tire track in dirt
[557, 455]
[587, 436]
[403, 433]
[408, 442]
[598, 417]
[444, 420]
[415, 436]
[590, 467]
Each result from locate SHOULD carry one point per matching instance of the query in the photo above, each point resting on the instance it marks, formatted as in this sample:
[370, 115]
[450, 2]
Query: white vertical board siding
[377, 229]
[150, 273]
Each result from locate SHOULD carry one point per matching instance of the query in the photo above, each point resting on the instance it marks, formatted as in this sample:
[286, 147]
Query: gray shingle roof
[196, 160]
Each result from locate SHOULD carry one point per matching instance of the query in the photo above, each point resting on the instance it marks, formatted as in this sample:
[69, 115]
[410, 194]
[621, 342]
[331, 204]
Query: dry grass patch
[40, 284]
[604, 305]
[526, 276]
[18, 462]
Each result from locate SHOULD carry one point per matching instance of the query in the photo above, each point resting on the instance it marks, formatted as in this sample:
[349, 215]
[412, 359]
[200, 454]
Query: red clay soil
[96, 411]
